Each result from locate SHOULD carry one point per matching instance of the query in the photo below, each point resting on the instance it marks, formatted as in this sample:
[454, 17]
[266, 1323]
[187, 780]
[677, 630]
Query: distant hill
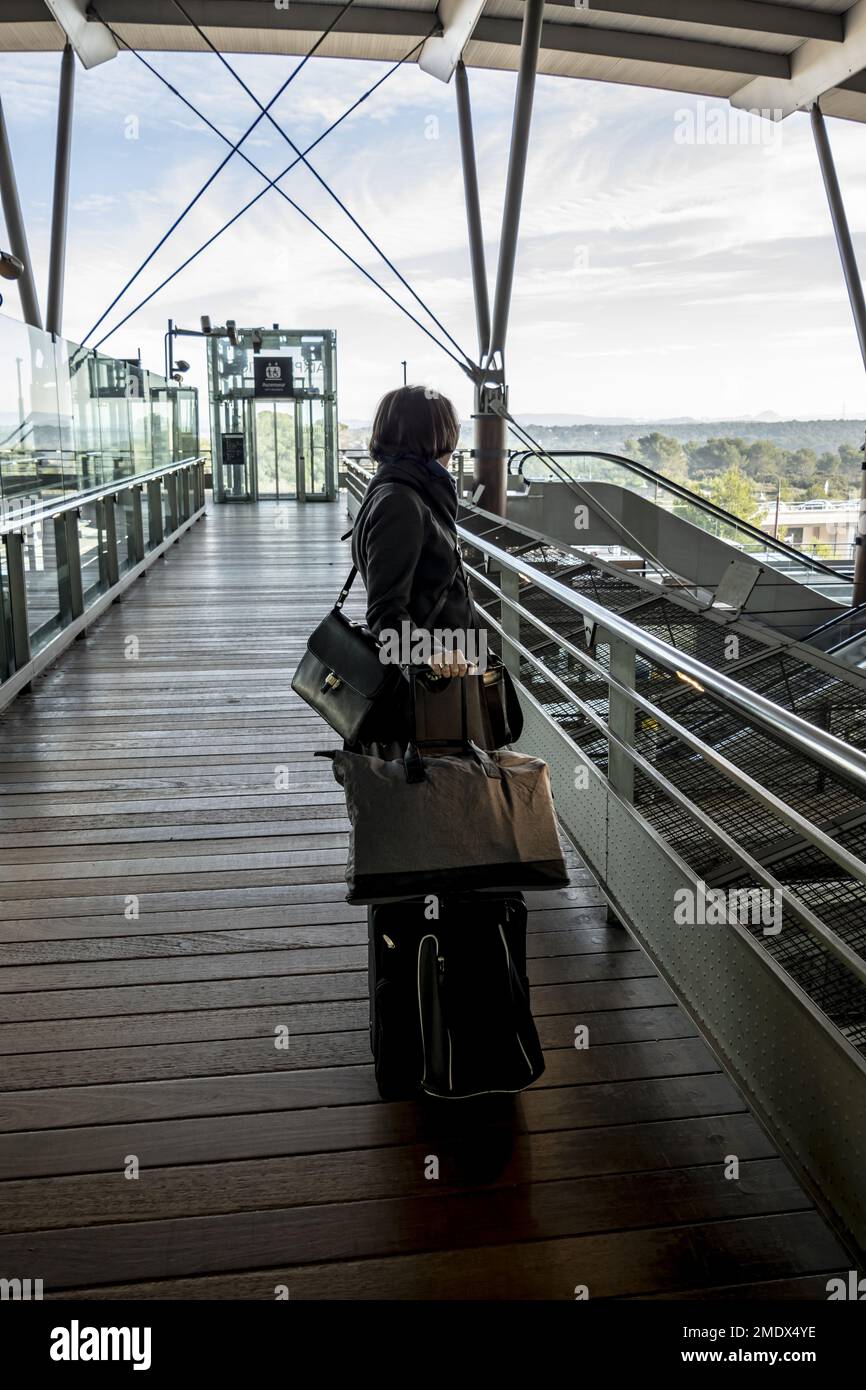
[541, 418]
[822, 436]
[609, 435]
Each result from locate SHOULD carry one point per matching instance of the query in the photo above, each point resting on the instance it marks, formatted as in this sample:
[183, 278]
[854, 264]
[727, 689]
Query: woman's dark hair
[414, 421]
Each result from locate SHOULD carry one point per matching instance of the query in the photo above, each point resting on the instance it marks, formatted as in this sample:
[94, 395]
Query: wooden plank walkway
[166, 910]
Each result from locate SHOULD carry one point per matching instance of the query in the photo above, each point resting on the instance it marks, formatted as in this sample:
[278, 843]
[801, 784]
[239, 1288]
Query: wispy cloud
[654, 276]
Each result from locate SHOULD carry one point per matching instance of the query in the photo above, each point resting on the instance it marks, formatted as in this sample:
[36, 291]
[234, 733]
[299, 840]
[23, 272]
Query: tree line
[738, 474]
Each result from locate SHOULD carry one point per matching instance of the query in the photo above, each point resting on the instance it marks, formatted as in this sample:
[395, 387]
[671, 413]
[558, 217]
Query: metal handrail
[817, 744]
[22, 519]
[686, 495]
[826, 935]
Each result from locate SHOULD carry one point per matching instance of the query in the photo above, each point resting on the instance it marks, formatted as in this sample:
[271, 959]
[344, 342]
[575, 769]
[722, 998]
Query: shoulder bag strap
[344, 592]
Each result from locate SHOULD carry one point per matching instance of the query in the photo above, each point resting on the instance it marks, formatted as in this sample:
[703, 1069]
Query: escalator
[636, 512]
[792, 675]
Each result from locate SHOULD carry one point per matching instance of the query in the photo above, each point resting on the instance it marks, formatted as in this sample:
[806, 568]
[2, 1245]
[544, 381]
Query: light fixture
[181, 366]
[10, 266]
[205, 323]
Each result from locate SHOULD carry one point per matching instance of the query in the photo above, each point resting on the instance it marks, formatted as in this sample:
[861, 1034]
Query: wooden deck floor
[164, 910]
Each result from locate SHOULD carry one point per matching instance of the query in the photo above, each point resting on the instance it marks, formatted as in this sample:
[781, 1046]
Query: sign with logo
[272, 377]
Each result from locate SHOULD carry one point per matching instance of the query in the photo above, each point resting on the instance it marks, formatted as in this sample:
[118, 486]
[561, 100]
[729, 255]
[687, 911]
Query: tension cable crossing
[322, 181]
[235, 148]
[468, 366]
[475, 371]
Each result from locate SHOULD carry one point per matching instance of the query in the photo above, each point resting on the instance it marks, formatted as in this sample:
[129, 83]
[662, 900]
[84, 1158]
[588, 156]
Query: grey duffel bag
[449, 823]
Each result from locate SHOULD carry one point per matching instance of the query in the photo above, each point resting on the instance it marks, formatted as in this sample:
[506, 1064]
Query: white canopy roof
[758, 53]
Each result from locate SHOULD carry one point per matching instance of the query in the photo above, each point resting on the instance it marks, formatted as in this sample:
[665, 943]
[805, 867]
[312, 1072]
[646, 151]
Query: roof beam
[854, 84]
[816, 67]
[564, 38]
[762, 16]
[637, 47]
[758, 16]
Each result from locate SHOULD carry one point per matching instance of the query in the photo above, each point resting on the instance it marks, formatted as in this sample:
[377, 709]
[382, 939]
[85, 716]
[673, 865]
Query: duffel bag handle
[412, 760]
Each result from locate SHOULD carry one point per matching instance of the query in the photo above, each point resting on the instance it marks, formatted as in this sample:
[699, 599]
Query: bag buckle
[332, 681]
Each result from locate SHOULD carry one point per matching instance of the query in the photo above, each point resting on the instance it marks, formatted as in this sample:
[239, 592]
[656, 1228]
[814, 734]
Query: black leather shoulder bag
[341, 675]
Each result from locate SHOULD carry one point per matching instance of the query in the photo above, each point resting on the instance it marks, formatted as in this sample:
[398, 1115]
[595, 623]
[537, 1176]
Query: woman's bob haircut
[413, 421]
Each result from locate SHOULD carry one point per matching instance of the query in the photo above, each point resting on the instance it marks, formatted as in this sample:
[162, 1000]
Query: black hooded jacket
[405, 546]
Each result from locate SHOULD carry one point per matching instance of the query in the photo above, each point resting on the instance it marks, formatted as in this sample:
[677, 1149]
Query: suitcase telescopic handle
[412, 760]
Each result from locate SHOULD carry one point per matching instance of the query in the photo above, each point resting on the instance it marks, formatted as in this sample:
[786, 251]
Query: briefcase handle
[412, 760]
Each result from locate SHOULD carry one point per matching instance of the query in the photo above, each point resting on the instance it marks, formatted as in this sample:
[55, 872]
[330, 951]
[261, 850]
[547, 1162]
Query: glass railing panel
[44, 617]
[78, 415]
[140, 413]
[186, 443]
[72, 419]
[29, 425]
[162, 421]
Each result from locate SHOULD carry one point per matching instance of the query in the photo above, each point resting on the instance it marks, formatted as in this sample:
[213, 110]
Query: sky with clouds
[674, 259]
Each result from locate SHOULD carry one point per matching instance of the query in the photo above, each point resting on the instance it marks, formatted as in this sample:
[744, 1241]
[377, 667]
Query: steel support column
[490, 454]
[473, 210]
[858, 309]
[15, 228]
[530, 41]
[63, 150]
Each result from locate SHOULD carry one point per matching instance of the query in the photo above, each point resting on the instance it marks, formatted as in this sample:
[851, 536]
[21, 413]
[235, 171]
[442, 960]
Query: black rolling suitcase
[449, 997]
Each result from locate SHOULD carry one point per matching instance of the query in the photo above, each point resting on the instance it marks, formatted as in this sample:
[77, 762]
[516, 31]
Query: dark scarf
[425, 474]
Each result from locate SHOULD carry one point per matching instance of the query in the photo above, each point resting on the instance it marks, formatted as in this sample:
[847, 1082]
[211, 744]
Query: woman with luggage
[448, 826]
[404, 544]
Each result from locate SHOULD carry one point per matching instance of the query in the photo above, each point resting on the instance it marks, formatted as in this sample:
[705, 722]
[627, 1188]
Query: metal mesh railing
[745, 794]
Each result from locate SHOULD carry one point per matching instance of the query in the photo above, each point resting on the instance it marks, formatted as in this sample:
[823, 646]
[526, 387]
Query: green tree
[764, 459]
[734, 491]
[718, 455]
[851, 459]
[665, 455]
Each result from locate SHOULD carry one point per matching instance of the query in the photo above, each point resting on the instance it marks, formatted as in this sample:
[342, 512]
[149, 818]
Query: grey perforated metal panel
[802, 1078]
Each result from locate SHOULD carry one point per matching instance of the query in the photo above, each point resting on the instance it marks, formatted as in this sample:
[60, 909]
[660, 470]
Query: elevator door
[276, 449]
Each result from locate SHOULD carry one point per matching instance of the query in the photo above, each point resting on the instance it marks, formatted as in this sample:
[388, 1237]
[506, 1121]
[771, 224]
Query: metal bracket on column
[91, 40]
[441, 52]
